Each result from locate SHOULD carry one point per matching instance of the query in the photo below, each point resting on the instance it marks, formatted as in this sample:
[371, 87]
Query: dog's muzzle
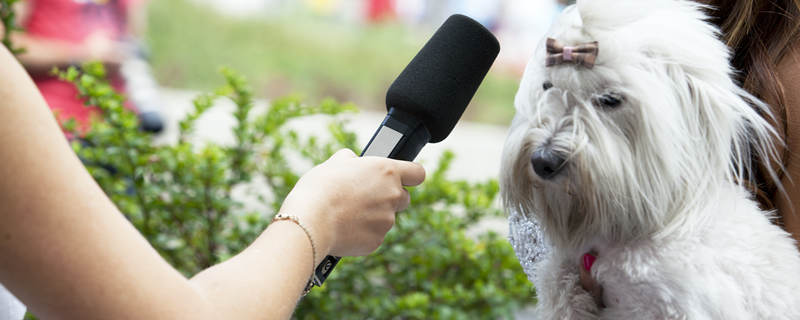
[546, 163]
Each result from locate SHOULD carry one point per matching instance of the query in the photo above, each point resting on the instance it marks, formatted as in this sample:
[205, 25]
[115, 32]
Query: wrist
[313, 228]
[292, 247]
[324, 235]
[318, 222]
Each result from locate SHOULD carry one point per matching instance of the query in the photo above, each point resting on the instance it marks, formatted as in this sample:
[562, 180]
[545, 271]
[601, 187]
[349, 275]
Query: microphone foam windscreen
[439, 82]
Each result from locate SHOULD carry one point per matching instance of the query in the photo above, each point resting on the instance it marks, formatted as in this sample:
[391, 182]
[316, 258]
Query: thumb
[411, 174]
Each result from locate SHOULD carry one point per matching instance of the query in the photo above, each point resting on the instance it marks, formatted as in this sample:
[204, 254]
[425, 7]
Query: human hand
[350, 203]
[587, 282]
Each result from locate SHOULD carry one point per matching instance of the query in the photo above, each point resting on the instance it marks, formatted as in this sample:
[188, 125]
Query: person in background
[60, 33]
[379, 10]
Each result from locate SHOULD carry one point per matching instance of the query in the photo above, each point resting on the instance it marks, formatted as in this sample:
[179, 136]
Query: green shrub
[180, 197]
[428, 268]
[8, 19]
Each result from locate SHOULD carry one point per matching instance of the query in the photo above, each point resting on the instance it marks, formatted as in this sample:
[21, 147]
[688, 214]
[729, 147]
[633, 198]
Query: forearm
[42, 55]
[266, 280]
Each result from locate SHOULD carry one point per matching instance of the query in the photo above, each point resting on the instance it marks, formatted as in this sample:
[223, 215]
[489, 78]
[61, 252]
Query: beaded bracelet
[296, 220]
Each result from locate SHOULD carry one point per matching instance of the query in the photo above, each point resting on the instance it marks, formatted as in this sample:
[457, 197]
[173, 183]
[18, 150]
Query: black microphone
[429, 96]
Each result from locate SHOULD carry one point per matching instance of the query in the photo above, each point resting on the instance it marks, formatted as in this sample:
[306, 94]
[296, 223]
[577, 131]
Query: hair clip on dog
[583, 54]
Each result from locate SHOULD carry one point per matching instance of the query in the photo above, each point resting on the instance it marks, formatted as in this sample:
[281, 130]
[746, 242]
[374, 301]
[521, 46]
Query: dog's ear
[734, 125]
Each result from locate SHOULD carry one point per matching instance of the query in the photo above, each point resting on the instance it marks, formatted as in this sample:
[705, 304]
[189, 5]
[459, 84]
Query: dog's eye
[547, 85]
[608, 100]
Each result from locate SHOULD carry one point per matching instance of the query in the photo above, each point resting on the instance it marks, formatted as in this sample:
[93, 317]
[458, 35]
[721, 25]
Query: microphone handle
[400, 136]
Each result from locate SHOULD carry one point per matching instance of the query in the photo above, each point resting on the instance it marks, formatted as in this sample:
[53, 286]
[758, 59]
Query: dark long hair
[760, 33]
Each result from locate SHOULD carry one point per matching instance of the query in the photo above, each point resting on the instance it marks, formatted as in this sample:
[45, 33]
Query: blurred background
[350, 50]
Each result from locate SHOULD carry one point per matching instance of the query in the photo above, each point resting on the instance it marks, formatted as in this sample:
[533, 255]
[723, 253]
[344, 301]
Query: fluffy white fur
[651, 185]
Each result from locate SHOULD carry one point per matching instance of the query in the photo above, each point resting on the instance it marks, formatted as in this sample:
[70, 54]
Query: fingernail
[588, 261]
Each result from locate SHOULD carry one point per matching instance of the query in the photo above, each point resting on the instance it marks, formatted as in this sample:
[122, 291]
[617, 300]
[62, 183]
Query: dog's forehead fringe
[633, 33]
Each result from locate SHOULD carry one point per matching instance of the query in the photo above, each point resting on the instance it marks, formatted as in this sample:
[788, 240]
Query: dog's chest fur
[736, 266]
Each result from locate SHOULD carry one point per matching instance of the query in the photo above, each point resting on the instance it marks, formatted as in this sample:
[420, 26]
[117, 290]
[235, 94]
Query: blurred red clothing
[73, 21]
[378, 10]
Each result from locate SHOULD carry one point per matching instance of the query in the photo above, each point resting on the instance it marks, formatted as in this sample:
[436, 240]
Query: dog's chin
[571, 209]
[554, 201]
[555, 197]
[558, 185]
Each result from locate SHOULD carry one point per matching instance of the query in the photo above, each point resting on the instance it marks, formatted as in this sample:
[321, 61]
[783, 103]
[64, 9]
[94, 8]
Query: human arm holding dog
[67, 252]
[766, 52]
[788, 205]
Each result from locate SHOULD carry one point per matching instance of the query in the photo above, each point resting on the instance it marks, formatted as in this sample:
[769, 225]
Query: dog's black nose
[546, 163]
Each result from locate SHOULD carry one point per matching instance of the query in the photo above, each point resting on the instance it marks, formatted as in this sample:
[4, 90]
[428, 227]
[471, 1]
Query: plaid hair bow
[583, 54]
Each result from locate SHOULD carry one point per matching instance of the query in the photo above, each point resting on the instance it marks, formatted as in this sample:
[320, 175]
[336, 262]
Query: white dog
[630, 141]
